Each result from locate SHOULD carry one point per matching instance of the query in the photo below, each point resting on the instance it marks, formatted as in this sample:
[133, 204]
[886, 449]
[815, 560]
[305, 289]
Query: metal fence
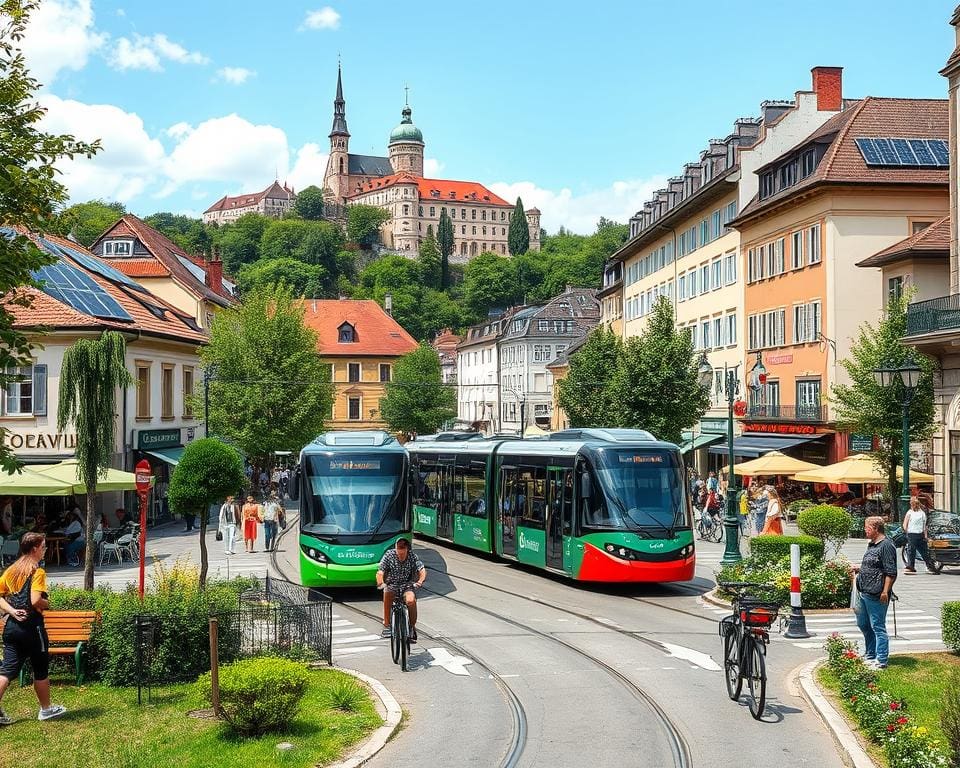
[278, 617]
[940, 314]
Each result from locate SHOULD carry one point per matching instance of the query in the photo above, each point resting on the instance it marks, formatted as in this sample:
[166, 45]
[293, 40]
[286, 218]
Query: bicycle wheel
[731, 664]
[404, 639]
[757, 680]
[716, 532]
[395, 636]
[700, 531]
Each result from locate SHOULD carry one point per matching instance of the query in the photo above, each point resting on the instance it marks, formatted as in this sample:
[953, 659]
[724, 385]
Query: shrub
[259, 695]
[794, 508]
[822, 584]
[824, 521]
[772, 548]
[950, 624]
[346, 694]
[950, 715]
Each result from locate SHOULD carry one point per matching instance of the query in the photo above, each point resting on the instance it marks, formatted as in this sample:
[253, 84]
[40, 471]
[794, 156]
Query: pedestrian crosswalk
[352, 640]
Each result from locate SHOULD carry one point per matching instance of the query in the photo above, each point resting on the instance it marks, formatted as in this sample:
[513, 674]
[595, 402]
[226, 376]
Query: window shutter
[40, 390]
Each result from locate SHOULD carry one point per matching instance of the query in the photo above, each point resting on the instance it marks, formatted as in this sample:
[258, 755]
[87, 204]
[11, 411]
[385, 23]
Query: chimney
[214, 274]
[828, 85]
[388, 304]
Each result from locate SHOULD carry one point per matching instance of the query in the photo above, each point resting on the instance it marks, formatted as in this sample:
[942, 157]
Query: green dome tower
[406, 146]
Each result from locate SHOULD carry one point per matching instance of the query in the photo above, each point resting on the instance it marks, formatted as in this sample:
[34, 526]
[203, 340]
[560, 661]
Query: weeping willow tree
[92, 372]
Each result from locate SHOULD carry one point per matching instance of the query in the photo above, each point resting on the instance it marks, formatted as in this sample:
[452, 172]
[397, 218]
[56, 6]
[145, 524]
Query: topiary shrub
[950, 624]
[772, 548]
[824, 521]
[950, 716]
[794, 508]
[259, 695]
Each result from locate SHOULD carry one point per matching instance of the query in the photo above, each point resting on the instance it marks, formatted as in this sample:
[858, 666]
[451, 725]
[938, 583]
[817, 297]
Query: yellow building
[361, 342]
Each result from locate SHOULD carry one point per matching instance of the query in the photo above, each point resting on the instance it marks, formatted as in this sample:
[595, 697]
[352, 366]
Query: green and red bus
[602, 505]
[354, 505]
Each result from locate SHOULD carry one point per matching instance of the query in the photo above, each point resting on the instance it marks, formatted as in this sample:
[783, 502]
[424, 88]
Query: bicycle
[746, 633]
[715, 531]
[400, 642]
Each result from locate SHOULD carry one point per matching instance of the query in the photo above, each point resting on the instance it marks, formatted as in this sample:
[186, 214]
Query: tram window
[533, 484]
[593, 510]
[428, 487]
[469, 490]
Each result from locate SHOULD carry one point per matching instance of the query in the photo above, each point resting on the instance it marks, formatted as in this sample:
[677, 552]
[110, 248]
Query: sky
[582, 109]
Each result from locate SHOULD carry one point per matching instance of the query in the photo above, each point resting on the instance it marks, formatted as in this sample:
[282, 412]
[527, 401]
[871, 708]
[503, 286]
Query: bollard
[796, 624]
[214, 667]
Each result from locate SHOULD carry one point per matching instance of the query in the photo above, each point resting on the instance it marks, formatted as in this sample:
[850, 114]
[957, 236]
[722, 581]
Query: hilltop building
[273, 201]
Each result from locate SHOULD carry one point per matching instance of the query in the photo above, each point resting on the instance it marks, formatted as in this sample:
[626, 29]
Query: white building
[478, 396]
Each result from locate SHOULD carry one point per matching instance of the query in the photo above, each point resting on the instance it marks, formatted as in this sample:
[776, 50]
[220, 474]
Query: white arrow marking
[455, 665]
[702, 660]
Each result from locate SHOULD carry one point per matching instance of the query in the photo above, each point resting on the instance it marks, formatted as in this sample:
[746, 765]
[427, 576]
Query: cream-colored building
[276, 200]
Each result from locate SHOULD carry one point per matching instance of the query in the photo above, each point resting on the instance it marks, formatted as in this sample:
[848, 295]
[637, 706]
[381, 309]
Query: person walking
[773, 523]
[272, 512]
[915, 524]
[23, 598]
[874, 580]
[229, 520]
[760, 503]
[251, 517]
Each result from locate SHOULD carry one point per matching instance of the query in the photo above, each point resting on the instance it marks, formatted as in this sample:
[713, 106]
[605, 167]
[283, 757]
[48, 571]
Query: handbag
[219, 535]
[856, 604]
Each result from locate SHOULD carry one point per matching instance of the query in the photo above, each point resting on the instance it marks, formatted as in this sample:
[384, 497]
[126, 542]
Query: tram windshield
[642, 491]
[352, 494]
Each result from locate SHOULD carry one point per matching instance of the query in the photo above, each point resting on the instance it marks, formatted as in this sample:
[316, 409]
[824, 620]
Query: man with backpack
[272, 517]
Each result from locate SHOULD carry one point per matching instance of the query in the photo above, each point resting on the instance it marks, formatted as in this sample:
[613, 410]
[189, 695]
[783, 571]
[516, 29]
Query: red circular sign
[143, 474]
[739, 408]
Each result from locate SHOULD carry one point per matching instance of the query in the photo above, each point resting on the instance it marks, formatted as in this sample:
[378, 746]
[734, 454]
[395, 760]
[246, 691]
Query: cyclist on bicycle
[400, 572]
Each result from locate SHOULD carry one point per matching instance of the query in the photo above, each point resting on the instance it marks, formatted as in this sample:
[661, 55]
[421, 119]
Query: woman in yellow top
[23, 598]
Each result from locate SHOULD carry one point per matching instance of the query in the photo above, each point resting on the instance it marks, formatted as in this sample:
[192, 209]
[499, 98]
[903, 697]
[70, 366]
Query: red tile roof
[376, 333]
[227, 203]
[140, 267]
[445, 189]
[930, 243]
[843, 164]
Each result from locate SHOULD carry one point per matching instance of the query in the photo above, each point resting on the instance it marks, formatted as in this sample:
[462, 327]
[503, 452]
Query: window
[682, 244]
[729, 213]
[716, 267]
[813, 244]
[704, 278]
[755, 265]
[483, 215]
[166, 391]
[433, 211]
[808, 163]
[385, 372]
[346, 334]
[117, 247]
[775, 257]
[682, 288]
[27, 396]
[693, 336]
[692, 283]
[463, 229]
[541, 353]
[353, 372]
[918, 226]
[704, 232]
[187, 391]
[143, 390]
[788, 174]
[705, 334]
[895, 288]
[716, 332]
[776, 327]
[731, 335]
[806, 322]
[353, 408]
[463, 213]
[406, 210]
[473, 213]
[715, 225]
[692, 238]
[808, 398]
[543, 325]
[730, 268]
[796, 250]
[766, 185]
[474, 228]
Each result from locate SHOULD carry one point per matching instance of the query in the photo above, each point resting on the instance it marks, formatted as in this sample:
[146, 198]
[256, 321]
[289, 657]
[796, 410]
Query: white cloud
[309, 167]
[325, 18]
[149, 52]
[235, 75]
[60, 36]
[580, 212]
[432, 168]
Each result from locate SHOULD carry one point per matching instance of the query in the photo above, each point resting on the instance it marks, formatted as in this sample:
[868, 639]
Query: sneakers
[413, 635]
[386, 632]
[909, 570]
[875, 665]
[54, 710]
[4, 719]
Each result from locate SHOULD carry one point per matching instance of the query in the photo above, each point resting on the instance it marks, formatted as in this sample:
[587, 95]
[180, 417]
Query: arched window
[346, 334]
[473, 249]
[341, 165]
[463, 249]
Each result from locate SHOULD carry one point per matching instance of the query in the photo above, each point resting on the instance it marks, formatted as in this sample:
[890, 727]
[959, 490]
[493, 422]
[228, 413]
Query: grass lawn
[104, 728]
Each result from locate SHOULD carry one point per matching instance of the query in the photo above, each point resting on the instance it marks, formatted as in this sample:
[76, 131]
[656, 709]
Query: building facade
[446, 344]
[361, 342]
[273, 201]
[478, 375]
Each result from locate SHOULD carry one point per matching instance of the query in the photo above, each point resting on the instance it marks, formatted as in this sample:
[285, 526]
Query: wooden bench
[68, 632]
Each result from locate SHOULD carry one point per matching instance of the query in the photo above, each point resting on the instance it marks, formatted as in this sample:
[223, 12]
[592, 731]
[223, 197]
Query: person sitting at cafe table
[75, 540]
[123, 520]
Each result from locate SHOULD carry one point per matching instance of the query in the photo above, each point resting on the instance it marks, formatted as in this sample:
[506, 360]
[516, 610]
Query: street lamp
[209, 373]
[908, 376]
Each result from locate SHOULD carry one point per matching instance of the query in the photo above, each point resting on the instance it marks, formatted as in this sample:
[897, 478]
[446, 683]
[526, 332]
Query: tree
[306, 280]
[416, 401]
[309, 204]
[428, 258]
[29, 191]
[270, 389]
[656, 383]
[239, 242]
[90, 375]
[490, 281]
[87, 221]
[209, 470]
[312, 242]
[364, 222]
[586, 393]
[865, 406]
[518, 236]
[445, 243]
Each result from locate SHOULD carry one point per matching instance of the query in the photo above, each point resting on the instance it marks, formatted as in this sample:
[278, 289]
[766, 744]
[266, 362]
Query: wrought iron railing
[808, 413]
[940, 314]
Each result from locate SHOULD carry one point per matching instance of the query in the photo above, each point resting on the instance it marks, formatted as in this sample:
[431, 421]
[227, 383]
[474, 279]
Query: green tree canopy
[656, 383]
[304, 279]
[428, 259]
[865, 406]
[309, 204]
[364, 222]
[87, 221]
[189, 233]
[518, 235]
[92, 372]
[586, 393]
[490, 281]
[271, 391]
[312, 242]
[239, 242]
[208, 472]
[445, 244]
[417, 401]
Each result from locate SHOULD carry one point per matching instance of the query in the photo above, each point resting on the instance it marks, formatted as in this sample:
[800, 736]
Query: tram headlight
[315, 554]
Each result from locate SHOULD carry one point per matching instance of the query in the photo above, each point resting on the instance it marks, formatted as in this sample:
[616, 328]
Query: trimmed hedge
[950, 624]
[822, 584]
[827, 522]
[773, 548]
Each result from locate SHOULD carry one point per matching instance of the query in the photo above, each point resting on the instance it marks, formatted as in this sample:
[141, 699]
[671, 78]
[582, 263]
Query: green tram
[354, 505]
[602, 505]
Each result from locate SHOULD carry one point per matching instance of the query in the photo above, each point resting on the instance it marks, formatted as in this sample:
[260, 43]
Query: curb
[852, 753]
[379, 738]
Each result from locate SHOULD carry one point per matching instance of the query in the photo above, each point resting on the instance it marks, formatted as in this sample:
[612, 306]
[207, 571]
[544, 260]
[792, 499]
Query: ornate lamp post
[908, 378]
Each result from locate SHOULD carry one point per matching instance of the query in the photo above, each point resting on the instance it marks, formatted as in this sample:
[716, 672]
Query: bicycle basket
[759, 614]
[726, 626]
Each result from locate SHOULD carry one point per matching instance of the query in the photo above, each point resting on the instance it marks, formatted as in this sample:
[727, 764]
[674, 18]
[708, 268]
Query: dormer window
[766, 185]
[808, 163]
[117, 247]
[346, 334]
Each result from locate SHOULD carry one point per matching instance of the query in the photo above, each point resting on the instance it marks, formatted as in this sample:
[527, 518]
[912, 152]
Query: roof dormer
[346, 334]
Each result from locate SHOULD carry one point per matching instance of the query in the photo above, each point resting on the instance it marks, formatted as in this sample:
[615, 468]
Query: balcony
[810, 414]
[933, 315]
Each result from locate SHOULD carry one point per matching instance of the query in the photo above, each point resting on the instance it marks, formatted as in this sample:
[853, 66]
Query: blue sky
[583, 109]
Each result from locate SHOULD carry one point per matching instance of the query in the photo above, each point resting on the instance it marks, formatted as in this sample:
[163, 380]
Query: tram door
[559, 513]
[445, 502]
[508, 509]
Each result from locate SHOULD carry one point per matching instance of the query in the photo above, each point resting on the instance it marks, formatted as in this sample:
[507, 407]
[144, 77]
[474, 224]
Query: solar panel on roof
[922, 152]
[887, 154]
[941, 151]
[67, 284]
[902, 148]
[869, 152]
[910, 153]
[87, 262]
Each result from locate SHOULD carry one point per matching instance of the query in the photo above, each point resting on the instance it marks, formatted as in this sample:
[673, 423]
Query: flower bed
[883, 719]
[822, 584]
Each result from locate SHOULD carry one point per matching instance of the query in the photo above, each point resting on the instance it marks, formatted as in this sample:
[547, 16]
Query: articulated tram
[602, 505]
[354, 505]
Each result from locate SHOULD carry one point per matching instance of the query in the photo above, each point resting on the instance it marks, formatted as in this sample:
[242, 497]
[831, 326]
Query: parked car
[943, 539]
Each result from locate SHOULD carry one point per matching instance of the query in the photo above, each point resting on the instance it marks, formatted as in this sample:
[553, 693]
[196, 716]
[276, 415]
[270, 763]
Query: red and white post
[144, 478]
[796, 623]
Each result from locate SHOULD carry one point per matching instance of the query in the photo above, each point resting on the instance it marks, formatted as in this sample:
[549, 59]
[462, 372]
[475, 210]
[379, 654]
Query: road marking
[455, 665]
[345, 631]
[697, 658]
[342, 623]
[356, 649]
[360, 639]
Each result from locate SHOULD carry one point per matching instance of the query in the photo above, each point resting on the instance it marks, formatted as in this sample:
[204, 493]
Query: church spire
[339, 110]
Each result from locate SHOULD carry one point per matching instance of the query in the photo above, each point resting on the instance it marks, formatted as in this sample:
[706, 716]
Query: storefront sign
[44, 441]
[713, 426]
[860, 443]
[158, 438]
[782, 359]
[781, 429]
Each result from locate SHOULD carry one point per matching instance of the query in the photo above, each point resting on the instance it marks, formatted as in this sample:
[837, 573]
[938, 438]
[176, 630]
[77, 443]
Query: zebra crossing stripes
[913, 627]
[347, 638]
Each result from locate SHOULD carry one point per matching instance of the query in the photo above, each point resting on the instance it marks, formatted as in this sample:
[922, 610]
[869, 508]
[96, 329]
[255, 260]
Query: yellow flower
[921, 731]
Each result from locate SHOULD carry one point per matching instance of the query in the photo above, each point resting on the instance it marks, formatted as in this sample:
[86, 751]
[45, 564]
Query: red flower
[894, 705]
[872, 686]
[853, 698]
[891, 728]
[901, 720]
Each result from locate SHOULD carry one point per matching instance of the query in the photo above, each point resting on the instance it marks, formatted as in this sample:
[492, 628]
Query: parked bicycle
[746, 634]
[400, 642]
[710, 525]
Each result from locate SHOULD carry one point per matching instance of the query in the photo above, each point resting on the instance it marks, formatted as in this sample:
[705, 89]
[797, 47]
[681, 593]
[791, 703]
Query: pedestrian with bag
[228, 523]
[23, 599]
[251, 519]
[874, 581]
[915, 526]
[773, 520]
[272, 513]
